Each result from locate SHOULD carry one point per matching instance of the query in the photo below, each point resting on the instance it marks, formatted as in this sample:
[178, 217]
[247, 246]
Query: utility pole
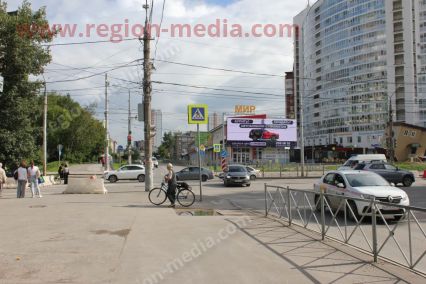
[391, 146]
[106, 125]
[45, 131]
[147, 88]
[129, 159]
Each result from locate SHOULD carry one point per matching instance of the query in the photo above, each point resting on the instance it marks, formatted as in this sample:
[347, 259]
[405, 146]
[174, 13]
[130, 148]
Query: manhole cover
[197, 212]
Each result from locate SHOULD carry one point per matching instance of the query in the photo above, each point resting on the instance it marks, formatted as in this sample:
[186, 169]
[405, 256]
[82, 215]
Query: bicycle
[184, 195]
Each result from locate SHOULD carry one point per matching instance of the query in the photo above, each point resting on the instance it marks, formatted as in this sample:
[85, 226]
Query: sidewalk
[121, 238]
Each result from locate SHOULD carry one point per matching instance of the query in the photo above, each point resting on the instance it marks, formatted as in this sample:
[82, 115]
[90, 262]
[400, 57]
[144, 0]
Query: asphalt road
[393, 237]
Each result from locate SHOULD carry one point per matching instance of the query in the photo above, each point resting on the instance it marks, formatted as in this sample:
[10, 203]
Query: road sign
[60, 147]
[224, 154]
[198, 114]
[202, 148]
[1, 84]
[120, 148]
[216, 148]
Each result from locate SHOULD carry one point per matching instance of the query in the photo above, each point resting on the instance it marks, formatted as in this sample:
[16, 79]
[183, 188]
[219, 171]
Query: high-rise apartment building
[289, 96]
[353, 62]
[157, 122]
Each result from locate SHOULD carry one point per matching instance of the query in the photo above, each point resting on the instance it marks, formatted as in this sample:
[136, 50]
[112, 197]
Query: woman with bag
[34, 175]
[172, 184]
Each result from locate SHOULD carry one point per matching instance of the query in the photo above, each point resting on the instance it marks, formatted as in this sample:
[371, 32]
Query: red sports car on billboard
[263, 134]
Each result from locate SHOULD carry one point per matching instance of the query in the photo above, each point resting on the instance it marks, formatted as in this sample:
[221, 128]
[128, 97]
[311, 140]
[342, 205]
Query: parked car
[361, 184]
[353, 161]
[253, 173]
[193, 173]
[263, 134]
[127, 172]
[237, 175]
[390, 173]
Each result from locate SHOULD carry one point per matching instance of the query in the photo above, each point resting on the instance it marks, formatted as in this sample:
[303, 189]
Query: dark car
[263, 134]
[193, 173]
[391, 173]
[236, 175]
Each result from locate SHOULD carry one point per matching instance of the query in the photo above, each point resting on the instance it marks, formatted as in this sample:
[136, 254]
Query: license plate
[238, 180]
[385, 207]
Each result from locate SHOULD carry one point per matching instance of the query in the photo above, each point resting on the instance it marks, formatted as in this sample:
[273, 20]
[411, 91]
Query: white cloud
[260, 55]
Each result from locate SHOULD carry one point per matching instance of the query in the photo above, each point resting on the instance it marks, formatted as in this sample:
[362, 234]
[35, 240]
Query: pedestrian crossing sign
[198, 114]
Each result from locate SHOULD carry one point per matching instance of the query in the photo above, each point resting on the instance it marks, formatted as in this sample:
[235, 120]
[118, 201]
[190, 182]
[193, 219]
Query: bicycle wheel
[157, 196]
[185, 197]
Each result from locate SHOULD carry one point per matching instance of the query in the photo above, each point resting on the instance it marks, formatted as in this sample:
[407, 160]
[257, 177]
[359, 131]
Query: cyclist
[172, 184]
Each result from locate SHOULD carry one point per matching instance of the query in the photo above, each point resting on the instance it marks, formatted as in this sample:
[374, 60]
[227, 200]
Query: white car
[127, 172]
[155, 162]
[364, 185]
[253, 173]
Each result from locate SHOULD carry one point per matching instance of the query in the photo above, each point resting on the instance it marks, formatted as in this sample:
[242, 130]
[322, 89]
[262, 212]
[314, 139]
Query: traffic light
[129, 138]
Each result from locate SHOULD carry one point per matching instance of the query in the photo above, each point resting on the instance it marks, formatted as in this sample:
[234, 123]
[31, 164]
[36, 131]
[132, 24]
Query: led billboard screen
[246, 132]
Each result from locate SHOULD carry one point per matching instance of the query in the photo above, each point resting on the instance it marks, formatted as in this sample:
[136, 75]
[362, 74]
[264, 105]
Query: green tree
[166, 148]
[74, 127]
[21, 55]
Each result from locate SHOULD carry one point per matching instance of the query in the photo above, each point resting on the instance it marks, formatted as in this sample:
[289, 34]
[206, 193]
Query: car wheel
[248, 185]
[252, 177]
[407, 181]
[225, 184]
[141, 178]
[112, 179]
[204, 178]
[355, 211]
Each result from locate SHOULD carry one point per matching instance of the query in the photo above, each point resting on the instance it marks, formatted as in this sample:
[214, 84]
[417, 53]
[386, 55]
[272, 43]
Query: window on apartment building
[349, 139]
[406, 132]
[359, 139]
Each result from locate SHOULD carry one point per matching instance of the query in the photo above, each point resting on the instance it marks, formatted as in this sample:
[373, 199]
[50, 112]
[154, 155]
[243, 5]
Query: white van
[356, 159]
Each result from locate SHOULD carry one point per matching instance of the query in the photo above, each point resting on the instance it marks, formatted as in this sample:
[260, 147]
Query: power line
[161, 22]
[219, 69]
[216, 89]
[87, 42]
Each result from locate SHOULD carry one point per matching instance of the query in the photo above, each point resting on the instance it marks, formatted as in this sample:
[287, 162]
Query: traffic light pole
[129, 143]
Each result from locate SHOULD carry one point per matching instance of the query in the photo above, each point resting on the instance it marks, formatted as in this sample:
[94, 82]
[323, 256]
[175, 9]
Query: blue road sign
[120, 148]
[224, 154]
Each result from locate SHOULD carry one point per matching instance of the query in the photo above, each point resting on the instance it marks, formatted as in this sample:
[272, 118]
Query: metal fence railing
[401, 241]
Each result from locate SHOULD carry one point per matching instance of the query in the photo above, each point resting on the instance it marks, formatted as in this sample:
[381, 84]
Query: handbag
[41, 179]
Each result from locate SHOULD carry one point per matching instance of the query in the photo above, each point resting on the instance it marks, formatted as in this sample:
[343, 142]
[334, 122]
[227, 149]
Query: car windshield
[360, 180]
[237, 170]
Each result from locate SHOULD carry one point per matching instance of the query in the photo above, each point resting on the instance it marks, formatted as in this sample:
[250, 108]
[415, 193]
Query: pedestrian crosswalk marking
[198, 115]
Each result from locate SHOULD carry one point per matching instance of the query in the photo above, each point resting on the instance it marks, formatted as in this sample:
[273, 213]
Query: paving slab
[121, 238]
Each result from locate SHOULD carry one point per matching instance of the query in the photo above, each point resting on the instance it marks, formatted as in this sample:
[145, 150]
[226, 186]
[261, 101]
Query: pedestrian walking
[3, 178]
[66, 173]
[172, 184]
[34, 174]
[22, 174]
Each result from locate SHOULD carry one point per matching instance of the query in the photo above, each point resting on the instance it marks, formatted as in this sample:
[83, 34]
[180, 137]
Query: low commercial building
[410, 142]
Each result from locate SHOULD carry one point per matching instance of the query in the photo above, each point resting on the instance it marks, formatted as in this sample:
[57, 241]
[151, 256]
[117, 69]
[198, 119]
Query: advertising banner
[246, 132]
